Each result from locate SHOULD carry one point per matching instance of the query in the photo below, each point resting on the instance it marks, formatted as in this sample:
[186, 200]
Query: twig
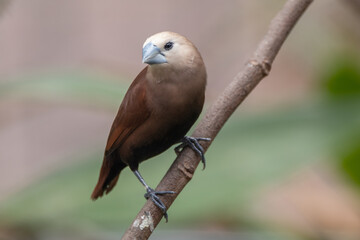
[183, 168]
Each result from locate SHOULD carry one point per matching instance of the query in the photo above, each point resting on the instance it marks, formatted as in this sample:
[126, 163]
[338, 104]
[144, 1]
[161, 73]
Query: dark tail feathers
[109, 175]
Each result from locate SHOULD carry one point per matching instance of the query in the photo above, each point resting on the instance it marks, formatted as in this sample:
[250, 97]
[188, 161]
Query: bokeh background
[286, 166]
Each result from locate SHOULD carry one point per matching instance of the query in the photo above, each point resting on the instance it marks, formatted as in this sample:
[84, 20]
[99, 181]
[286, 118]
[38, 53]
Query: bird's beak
[152, 54]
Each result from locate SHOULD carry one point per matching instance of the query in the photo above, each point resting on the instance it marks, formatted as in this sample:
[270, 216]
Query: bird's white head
[170, 49]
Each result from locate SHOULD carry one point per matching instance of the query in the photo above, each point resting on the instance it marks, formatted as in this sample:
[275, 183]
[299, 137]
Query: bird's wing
[132, 113]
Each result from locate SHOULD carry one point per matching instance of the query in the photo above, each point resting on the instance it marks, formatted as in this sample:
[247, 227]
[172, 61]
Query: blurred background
[286, 166]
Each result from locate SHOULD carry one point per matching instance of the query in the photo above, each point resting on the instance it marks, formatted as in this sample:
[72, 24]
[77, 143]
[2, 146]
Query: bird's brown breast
[174, 107]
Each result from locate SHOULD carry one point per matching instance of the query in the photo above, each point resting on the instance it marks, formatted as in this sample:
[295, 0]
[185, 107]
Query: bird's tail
[109, 174]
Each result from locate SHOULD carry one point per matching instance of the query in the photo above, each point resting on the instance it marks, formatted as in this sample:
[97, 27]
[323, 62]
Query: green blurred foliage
[341, 76]
[341, 82]
[350, 159]
[73, 87]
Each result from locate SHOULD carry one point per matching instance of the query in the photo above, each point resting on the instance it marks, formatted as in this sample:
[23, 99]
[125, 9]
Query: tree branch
[183, 168]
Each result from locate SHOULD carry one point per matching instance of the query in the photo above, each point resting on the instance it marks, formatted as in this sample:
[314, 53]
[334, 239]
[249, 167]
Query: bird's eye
[168, 46]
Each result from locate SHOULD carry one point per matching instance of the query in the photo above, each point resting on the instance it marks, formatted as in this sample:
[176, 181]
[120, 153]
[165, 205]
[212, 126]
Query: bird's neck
[167, 74]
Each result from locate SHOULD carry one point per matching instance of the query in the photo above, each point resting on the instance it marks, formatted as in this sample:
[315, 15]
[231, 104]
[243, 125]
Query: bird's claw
[153, 195]
[194, 144]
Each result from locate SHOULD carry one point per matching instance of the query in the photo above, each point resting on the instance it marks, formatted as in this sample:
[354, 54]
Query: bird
[159, 108]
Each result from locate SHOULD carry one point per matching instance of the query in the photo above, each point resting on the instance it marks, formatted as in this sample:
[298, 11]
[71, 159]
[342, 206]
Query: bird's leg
[194, 144]
[153, 195]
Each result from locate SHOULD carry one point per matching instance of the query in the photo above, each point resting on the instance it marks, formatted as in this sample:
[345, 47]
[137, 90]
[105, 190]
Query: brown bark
[183, 168]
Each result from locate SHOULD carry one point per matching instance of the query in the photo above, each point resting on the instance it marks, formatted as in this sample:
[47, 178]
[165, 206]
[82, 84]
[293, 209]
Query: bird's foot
[194, 144]
[153, 195]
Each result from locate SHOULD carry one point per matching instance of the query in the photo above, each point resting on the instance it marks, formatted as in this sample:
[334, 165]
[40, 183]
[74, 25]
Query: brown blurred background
[286, 166]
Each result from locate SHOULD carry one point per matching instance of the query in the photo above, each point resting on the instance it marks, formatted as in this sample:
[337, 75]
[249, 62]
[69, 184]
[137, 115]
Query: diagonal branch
[183, 168]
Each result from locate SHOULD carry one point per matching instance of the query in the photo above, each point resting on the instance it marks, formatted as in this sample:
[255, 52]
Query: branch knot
[265, 66]
[186, 169]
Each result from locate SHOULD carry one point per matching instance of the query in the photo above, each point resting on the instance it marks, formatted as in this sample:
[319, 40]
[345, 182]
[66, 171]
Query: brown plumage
[159, 108]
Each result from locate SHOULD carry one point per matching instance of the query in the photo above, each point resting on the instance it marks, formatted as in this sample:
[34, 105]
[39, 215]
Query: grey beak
[151, 54]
